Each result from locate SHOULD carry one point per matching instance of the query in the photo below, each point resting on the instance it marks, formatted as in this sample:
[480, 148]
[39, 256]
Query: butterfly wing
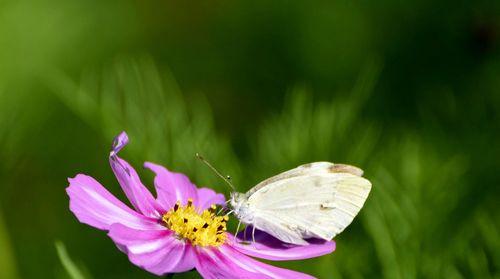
[314, 200]
[308, 169]
[273, 225]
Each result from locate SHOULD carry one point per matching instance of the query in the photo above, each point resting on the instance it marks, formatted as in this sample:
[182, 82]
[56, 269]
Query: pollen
[200, 229]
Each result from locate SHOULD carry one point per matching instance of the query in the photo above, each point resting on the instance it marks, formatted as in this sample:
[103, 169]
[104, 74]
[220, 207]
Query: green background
[409, 91]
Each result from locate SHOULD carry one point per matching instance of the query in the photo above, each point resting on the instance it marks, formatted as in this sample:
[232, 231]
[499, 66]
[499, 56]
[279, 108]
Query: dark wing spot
[341, 168]
[327, 206]
[306, 166]
[317, 182]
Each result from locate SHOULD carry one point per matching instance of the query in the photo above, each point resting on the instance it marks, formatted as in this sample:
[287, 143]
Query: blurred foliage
[131, 95]
[407, 91]
[69, 265]
[7, 264]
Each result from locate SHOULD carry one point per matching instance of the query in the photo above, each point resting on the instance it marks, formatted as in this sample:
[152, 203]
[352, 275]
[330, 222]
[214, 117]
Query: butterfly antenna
[225, 178]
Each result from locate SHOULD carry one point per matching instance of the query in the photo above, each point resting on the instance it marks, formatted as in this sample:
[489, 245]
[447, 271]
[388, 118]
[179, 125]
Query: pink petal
[171, 186]
[207, 197]
[136, 192]
[269, 248]
[226, 262]
[92, 204]
[157, 251]
[211, 264]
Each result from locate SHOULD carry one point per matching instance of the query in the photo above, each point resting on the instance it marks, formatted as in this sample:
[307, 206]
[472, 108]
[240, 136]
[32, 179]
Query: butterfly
[316, 200]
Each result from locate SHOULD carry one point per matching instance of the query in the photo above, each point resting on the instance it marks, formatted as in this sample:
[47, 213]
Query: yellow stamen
[201, 229]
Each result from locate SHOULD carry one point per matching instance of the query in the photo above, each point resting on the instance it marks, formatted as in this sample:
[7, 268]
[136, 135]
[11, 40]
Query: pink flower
[178, 230]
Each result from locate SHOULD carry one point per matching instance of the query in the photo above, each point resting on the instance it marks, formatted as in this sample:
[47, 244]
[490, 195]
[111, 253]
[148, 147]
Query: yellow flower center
[205, 229]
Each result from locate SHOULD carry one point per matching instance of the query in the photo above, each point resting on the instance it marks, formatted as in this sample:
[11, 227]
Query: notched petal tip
[78, 178]
[92, 204]
[118, 143]
[172, 186]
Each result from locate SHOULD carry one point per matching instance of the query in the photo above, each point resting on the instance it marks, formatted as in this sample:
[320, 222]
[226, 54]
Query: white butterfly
[316, 200]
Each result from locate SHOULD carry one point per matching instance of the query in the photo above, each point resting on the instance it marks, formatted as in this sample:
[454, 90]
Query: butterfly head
[237, 200]
[241, 207]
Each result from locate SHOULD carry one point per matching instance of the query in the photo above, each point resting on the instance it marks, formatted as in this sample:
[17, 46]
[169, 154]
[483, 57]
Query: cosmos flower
[178, 230]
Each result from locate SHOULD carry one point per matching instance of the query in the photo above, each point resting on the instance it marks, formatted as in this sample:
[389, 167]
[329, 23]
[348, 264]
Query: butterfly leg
[253, 234]
[220, 210]
[237, 229]
[245, 234]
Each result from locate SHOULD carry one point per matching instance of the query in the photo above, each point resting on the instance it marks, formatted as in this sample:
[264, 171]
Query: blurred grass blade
[132, 94]
[8, 269]
[308, 130]
[73, 270]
